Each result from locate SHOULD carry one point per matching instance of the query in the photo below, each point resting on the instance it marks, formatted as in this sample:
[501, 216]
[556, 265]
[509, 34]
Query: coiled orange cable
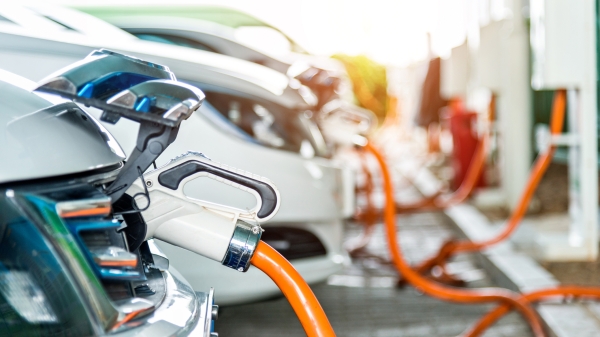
[433, 288]
[541, 165]
[292, 285]
[559, 292]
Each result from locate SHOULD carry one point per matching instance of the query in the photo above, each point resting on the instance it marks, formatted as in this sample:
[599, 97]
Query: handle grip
[171, 178]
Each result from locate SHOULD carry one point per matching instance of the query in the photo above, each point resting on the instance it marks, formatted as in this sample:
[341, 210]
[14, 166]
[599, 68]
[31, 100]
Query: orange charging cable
[440, 201]
[559, 292]
[368, 215]
[541, 165]
[292, 285]
[435, 289]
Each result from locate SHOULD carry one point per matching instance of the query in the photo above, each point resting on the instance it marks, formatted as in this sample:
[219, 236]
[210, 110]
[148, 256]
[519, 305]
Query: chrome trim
[209, 310]
[61, 84]
[177, 111]
[161, 261]
[205, 301]
[176, 315]
[214, 312]
[125, 99]
[242, 246]
[134, 304]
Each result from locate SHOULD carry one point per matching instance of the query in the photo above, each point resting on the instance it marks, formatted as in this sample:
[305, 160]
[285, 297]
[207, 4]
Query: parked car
[190, 28]
[325, 76]
[340, 121]
[65, 265]
[308, 227]
[338, 118]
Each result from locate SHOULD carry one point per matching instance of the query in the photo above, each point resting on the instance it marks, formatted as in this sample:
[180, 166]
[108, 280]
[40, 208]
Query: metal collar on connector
[242, 246]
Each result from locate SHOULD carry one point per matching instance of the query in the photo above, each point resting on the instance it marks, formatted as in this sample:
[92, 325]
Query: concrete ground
[363, 300]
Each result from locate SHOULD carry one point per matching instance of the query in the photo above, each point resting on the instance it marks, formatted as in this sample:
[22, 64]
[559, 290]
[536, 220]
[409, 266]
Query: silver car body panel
[233, 287]
[182, 312]
[187, 64]
[73, 21]
[224, 40]
[40, 139]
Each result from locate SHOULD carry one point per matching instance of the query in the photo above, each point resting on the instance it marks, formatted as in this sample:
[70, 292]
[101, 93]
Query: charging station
[564, 56]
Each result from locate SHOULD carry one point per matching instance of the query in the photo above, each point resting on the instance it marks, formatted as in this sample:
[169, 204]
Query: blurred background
[435, 84]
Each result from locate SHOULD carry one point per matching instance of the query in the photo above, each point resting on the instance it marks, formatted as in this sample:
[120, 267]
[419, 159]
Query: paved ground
[363, 301]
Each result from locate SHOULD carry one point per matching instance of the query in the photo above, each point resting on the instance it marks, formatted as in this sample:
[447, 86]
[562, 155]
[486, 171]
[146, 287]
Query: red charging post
[463, 127]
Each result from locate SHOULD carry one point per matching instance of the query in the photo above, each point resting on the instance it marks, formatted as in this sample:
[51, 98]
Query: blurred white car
[339, 120]
[307, 229]
[263, 45]
[326, 77]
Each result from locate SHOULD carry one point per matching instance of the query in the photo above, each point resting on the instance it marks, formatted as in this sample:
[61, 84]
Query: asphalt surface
[363, 300]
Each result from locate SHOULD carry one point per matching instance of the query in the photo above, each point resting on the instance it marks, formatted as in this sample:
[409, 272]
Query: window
[174, 40]
[268, 123]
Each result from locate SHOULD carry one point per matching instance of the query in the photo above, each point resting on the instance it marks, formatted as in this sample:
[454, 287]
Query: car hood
[188, 64]
[43, 136]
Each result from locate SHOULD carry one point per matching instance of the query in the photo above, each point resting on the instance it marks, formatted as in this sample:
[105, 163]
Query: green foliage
[369, 81]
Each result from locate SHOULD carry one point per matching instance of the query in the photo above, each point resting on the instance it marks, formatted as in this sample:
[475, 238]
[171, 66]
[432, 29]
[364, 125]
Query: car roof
[204, 10]
[172, 22]
[218, 37]
[188, 64]
[78, 21]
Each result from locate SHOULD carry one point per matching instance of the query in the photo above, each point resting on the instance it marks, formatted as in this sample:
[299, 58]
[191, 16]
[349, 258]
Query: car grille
[294, 243]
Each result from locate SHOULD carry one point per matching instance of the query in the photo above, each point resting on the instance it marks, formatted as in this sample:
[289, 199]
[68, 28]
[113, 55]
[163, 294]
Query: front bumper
[182, 312]
[233, 287]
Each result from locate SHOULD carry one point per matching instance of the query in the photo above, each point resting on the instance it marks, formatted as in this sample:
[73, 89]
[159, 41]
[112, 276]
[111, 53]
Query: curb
[519, 272]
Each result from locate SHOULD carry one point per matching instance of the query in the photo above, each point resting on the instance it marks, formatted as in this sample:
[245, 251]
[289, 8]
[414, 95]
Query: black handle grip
[172, 177]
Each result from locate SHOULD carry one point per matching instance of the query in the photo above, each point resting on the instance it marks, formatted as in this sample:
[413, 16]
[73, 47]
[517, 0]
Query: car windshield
[268, 123]
[36, 295]
[174, 40]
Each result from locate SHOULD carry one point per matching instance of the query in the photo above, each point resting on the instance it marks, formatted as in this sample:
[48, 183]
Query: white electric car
[308, 226]
[65, 264]
[326, 77]
[256, 42]
[339, 119]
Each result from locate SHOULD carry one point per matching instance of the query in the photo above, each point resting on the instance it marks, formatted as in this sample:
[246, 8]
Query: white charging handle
[172, 177]
[342, 122]
[209, 229]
